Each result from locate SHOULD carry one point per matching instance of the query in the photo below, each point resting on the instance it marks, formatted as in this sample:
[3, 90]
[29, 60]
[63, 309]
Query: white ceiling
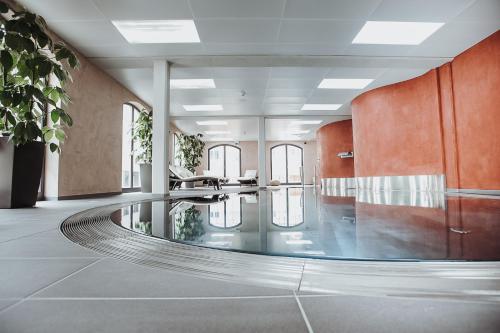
[277, 51]
[246, 128]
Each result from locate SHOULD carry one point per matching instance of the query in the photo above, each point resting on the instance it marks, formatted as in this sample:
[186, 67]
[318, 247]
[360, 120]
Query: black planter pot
[146, 175]
[21, 171]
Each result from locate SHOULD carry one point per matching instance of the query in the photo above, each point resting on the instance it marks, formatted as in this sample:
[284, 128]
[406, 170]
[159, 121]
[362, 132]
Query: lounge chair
[182, 175]
[250, 178]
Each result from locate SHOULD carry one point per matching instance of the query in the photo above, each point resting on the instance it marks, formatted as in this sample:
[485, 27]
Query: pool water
[304, 222]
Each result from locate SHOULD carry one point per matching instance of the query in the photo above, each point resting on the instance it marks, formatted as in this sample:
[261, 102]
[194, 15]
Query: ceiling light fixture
[211, 122]
[192, 84]
[216, 132]
[299, 242]
[221, 139]
[307, 122]
[158, 31]
[300, 132]
[200, 107]
[321, 107]
[344, 83]
[395, 33]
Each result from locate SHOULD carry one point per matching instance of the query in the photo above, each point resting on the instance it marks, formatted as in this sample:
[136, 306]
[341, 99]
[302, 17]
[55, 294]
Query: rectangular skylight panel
[211, 122]
[200, 107]
[298, 132]
[344, 83]
[395, 33]
[158, 31]
[216, 132]
[192, 84]
[222, 139]
[321, 107]
[307, 122]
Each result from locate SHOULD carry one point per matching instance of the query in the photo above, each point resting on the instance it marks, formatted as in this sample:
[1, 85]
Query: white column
[262, 152]
[161, 106]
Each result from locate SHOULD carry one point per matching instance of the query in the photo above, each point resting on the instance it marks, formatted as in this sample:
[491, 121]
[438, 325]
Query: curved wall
[444, 122]
[332, 139]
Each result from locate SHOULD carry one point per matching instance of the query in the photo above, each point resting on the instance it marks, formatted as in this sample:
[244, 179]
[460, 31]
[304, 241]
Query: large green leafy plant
[143, 135]
[33, 74]
[190, 150]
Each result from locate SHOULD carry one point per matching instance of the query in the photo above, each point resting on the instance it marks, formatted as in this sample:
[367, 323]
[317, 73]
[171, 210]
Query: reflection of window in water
[130, 217]
[287, 207]
[226, 214]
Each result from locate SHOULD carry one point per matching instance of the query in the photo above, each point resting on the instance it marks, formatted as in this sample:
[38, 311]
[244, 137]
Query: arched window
[287, 206]
[225, 160]
[286, 163]
[130, 169]
[226, 214]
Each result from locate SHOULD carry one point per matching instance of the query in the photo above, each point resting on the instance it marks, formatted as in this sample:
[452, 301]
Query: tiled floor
[49, 284]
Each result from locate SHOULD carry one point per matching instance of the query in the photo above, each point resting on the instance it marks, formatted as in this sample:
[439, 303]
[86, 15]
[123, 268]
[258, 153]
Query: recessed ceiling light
[307, 122]
[192, 84]
[158, 31]
[397, 33]
[300, 132]
[321, 107]
[216, 132]
[222, 139]
[200, 107]
[344, 83]
[211, 122]
[299, 242]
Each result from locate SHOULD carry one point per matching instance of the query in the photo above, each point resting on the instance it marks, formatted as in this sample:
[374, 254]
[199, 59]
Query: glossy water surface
[302, 222]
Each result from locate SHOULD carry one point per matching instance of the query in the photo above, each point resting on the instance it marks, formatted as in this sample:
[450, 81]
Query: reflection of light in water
[219, 243]
[299, 242]
[222, 235]
[291, 233]
[312, 253]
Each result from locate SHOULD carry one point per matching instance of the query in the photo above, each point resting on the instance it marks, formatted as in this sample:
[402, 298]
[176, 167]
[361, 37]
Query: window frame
[286, 161]
[131, 188]
[225, 145]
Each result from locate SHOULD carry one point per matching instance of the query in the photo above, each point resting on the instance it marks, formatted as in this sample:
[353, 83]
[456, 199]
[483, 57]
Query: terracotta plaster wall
[396, 129]
[91, 159]
[332, 139]
[444, 122]
[476, 91]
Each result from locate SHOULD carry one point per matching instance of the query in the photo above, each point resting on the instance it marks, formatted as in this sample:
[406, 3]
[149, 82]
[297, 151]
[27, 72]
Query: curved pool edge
[464, 281]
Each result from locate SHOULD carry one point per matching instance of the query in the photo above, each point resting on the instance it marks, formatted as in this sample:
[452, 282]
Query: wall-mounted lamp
[346, 154]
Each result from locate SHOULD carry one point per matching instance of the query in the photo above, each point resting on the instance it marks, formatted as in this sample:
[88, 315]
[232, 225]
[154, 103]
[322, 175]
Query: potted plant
[32, 99]
[142, 134]
[190, 152]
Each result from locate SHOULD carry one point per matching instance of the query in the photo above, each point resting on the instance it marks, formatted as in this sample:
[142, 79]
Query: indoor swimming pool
[335, 224]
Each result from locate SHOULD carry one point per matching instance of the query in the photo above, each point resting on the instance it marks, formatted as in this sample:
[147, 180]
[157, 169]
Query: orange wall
[332, 139]
[396, 129]
[444, 122]
[476, 88]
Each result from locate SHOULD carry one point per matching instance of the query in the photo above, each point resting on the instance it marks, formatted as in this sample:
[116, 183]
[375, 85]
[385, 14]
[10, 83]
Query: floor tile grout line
[304, 316]
[193, 298]
[50, 258]
[301, 275]
[48, 286]
[27, 236]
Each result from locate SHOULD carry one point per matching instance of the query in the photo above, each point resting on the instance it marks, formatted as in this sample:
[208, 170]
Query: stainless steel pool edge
[474, 191]
[417, 183]
[472, 281]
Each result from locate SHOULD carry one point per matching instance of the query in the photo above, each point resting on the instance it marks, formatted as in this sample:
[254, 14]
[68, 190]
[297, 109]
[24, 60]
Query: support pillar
[161, 126]
[262, 152]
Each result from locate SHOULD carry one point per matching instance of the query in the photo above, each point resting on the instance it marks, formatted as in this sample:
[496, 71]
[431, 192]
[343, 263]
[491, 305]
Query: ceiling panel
[144, 9]
[319, 31]
[330, 9]
[81, 33]
[482, 10]
[237, 8]
[66, 10]
[237, 30]
[419, 10]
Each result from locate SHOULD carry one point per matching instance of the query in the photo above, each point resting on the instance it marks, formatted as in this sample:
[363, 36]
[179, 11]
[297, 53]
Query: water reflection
[301, 222]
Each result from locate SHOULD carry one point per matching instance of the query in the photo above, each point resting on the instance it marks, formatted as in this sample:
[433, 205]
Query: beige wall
[91, 158]
[249, 154]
